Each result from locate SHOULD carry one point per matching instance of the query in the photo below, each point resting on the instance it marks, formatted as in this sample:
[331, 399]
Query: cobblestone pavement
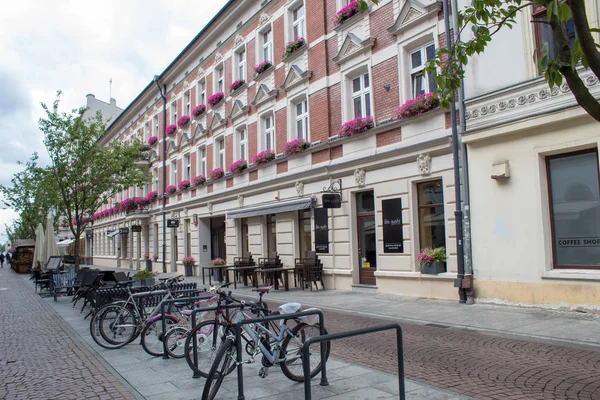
[40, 358]
[481, 365]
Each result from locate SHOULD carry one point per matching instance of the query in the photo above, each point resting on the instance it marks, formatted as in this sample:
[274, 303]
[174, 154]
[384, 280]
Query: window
[244, 235]
[187, 104]
[147, 131]
[271, 234]
[240, 59]
[174, 112]
[301, 111]
[219, 83]
[361, 96]
[156, 124]
[202, 92]
[574, 193]
[543, 33]
[243, 143]
[174, 172]
[155, 175]
[202, 158]
[221, 152]
[432, 228]
[298, 22]
[267, 45]
[187, 167]
[269, 132]
[304, 232]
[421, 81]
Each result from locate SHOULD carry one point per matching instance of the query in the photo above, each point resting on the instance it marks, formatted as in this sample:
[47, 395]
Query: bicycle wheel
[206, 336]
[153, 336]
[292, 348]
[175, 341]
[112, 327]
[222, 364]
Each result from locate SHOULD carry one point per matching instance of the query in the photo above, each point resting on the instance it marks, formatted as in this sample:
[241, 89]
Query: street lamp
[163, 93]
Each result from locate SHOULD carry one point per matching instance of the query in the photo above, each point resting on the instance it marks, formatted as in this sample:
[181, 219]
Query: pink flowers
[356, 126]
[238, 166]
[152, 196]
[171, 129]
[171, 189]
[294, 45]
[218, 261]
[217, 173]
[198, 110]
[183, 185]
[263, 157]
[428, 256]
[237, 84]
[199, 180]
[189, 261]
[141, 202]
[346, 12]
[128, 204]
[295, 146]
[216, 98]
[262, 67]
[152, 140]
[418, 105]
[183, 121]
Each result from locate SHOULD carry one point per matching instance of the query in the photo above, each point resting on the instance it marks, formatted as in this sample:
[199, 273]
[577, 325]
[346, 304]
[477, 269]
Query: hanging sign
[89, 235]
[172, 223]
[136, 228]
[123, 231]
[393, 238]
[332, 200]
[321, 231]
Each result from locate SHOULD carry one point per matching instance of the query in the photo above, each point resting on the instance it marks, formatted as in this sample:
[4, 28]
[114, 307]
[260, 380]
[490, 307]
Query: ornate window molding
[353, 46]
[413, 13]
[263, 95]
[295, 77]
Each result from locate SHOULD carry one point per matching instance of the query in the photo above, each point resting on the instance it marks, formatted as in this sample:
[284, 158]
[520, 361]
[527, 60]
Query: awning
[273, 208]
[113, 233]
[65, 242]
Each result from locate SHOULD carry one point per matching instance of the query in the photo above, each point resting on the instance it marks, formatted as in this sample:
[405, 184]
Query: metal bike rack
[343, 335]
[238, 344]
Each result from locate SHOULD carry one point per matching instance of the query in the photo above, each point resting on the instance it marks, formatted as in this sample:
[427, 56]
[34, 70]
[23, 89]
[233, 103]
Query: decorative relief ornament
[209, 206]
[239, 39]
[300, 188]
[241, 200]
[424, 164]
[218, 57]
[264, 17]
[359, 177]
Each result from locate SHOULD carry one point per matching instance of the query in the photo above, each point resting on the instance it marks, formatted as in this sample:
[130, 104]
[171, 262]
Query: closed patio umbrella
[50, 245]
[38, 259]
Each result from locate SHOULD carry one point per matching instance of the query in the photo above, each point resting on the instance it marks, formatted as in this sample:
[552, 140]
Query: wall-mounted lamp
[195, 219]
[387, 87]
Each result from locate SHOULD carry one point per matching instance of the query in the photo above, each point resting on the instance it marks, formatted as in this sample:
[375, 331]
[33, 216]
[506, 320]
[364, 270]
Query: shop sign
[172, 223]
[321, 231]
[393, 238]
[136, 228]
[332, 200]
[123, 231]
[89, 235]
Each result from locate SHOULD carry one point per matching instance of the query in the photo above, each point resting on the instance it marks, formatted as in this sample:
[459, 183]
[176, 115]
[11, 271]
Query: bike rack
[343, 335]
[238, 344]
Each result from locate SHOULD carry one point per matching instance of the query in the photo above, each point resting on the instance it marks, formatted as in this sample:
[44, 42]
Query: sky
[77, 46]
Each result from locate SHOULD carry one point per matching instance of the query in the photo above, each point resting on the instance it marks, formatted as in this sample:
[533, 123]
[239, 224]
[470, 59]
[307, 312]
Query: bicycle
[282, 347]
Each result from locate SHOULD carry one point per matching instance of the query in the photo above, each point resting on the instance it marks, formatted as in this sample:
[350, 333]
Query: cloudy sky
[77, 46]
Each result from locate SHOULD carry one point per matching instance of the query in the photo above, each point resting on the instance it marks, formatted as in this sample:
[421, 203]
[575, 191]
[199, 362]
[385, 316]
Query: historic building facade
[395, 175]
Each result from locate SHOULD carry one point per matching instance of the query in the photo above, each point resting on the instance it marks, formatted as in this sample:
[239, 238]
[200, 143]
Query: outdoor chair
[243, 263]
[266, 263]
[42, 281]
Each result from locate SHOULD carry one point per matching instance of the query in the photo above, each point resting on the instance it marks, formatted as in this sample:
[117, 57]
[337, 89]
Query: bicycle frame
[254, 330]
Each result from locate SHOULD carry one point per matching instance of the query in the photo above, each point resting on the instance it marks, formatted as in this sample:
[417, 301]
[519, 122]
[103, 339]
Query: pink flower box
[216, 98]
[346, 12]
[171, 129]
[417, 106]
[295, 146]
[217, 173]
[263, 157]
[237, 84]
[356, 126]
[171, 189]
[183, 185]
[199, 180]
[238, 167]
[262, 67]
[198, 110]
[183, 122]
[152, 140]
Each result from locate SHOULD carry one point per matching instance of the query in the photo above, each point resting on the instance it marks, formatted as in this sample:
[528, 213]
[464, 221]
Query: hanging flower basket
[171, 189]
[262, 67]
[417, 106]
[152, 140]
[198, 110]
[152, 196]
[295, 146]
[238, 167]
[171, 129]
[291, 47]
[236, 85]
[199, 180]
[356, 126]
[346, 12]
[183, 122]
[183, 185]
[263, 157]
[216, 98]
[217, 173]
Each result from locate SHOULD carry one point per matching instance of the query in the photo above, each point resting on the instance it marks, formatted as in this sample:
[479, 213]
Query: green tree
[485, 18]
[86, 173]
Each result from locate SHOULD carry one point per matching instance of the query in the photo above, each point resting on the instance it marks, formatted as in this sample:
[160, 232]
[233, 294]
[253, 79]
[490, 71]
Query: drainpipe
[163, 94]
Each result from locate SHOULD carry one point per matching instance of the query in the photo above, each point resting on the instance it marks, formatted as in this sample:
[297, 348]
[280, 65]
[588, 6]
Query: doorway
[367, 240]
[217, 238]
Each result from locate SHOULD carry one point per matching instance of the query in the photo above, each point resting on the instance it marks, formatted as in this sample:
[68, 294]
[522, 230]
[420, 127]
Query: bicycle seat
[263, 289]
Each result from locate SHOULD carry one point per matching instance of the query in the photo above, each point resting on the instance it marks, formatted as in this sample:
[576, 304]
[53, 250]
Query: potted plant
[171, 189]
[199, 180]
[171, 129]
[432, 261]
[236, 85]
[218, 261]
[146, 278]
[238, 167]
[184, 184]
[291, 47]
[155, 257]
[346, 12]
[188, 263]
[198, 110]
[217, 173]
[295, 146]
[183, 121]
[417, 106]
[262, 67]
[152, 196]
[216, 98]
[148, 261]
[263, 157]
[152, 140]
[356, 126]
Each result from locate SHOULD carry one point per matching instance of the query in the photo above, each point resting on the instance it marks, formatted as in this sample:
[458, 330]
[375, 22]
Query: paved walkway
[40, 356]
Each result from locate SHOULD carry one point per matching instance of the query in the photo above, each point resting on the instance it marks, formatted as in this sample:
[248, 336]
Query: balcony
[144, 162]
[138, 213]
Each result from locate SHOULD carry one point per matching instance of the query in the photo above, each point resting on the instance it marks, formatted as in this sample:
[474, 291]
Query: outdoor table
[245, 272]
[285, 270]
[211, 269]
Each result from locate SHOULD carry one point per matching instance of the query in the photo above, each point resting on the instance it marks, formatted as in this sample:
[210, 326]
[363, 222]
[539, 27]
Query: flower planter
[300, 161]
[267, 170]
[189, 270]
[436, 267]
[149, 265]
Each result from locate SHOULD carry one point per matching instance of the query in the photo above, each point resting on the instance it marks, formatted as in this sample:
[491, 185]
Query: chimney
[89, 98]
[113, 103]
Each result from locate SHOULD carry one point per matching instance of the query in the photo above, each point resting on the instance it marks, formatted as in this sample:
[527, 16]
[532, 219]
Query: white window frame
[299, 22]
[147, 131]
[187, 166]
[219, 75]
[156, 183]
[363, 94]
[174, 112]
[242, 142]
[240, 71]
[419, 70]
[174, 176]
[201, 92]
[220, 155]
[187, 103]
[268, 134]
[202, 166]
[266, 46]
[156, 125]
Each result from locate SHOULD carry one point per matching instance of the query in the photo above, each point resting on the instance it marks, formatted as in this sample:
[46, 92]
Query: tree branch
[586, 40]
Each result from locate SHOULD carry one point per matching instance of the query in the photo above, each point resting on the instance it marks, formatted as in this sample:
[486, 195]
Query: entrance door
[217, 238]
[367, 240]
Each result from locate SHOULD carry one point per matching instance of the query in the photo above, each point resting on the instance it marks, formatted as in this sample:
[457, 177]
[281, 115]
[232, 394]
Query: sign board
[321, 231]
[136, 228]
[172, 223]
[123, 231]
[332, 200]
[393, 237]
[89, 235]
